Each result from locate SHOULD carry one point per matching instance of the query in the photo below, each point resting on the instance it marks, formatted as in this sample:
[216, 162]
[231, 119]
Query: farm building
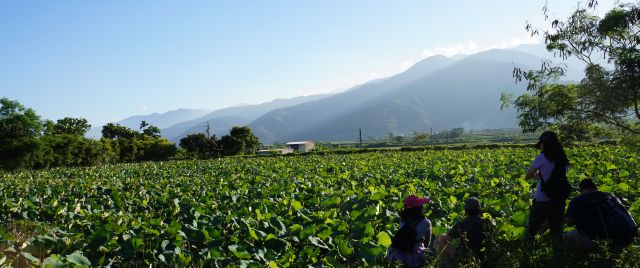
[301, 146]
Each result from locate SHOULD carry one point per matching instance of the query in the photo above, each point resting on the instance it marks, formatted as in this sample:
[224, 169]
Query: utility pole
[431, 135]
[360, 136]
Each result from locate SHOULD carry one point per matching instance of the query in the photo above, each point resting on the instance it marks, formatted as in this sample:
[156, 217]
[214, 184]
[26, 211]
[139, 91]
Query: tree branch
[613, 121]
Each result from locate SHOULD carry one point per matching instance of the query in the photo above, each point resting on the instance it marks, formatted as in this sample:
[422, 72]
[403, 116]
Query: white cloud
[472, 47]
[406, 64]
[460, 48]
[144, 108]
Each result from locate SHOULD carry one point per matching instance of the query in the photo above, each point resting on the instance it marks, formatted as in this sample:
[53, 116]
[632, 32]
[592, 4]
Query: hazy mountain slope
[223, 119]
[575, 67]
[281, 123]
[219, 126]
[161, 120]
[461, 93]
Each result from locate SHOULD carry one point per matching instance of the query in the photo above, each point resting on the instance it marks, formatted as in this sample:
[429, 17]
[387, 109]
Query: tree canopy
[20, 128]
[610, 91]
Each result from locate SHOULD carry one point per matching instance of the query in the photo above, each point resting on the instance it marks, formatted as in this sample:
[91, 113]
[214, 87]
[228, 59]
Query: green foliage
[200, 146]
[606, 95]
[19, 131]
[132, 146]
[67, 126]
[61, 150]
[249, 140]
[115, 131]
[231, 145]
[288, 211]
[149, 130]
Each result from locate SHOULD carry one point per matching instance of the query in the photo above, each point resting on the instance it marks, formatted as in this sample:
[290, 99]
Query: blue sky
[106, 60]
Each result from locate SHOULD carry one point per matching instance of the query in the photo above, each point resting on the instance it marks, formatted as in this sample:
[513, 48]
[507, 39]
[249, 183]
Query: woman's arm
[531, 173]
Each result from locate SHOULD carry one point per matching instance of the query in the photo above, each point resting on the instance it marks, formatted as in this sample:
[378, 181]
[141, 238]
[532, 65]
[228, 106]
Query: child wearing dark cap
[471, 232]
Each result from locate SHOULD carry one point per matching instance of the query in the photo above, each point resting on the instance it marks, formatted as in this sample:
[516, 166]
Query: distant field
[336, 210]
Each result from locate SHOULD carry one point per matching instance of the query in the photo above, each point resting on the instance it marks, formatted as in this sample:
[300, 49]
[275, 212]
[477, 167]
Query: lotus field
[285, 211]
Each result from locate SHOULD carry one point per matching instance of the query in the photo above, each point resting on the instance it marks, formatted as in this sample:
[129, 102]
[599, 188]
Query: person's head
[551, 147]
[472, 206]
[413, 207]
[587, 185]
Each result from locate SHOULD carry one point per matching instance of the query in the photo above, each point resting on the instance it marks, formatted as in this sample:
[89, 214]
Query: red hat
[414, 201]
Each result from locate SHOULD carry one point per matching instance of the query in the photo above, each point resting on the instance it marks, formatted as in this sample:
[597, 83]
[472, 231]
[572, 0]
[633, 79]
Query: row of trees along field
[27, 141]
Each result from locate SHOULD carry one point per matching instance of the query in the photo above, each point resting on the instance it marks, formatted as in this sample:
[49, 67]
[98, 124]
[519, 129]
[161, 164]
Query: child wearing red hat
[412, 239]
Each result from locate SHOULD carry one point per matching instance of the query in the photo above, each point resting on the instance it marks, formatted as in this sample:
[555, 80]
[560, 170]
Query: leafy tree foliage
[132, 146]
[19, 131]
[608, 94]
[456, 132]
[68, 125]
[149, 130]
[231, 145]
[59, 150]
[115, 131]
[250, 142]
[199, 146]
[27, 142]
[419, 138]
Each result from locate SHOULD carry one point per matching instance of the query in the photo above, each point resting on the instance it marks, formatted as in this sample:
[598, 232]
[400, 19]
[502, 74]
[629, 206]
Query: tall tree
[69, 126]
[20, 128]
[419, 137]
[246, 136]
[456, 132]
[199, 146]
[609, 93]
[231, 145]
[115, 131]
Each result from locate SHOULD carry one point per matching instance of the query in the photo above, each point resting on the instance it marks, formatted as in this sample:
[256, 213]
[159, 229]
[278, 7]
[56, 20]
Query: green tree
[230, 145]
[199, 145]
[399, 139]
[20, 128]
[68, 125]
[149, 130]
[246, 136]
[147, 148]
[456, 132]
[116, 131]
[608, 94]
[419, 138]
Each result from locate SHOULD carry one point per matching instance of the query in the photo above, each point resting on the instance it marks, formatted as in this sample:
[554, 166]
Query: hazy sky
[106, 60]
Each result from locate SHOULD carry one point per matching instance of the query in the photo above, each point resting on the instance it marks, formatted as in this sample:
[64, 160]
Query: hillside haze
[437, 92]
[222, 120]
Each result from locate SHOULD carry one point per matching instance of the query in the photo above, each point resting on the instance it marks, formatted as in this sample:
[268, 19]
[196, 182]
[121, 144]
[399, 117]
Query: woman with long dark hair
[410, 243]
[544, 208]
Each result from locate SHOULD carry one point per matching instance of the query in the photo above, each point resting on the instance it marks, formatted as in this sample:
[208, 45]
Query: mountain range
[436, 93]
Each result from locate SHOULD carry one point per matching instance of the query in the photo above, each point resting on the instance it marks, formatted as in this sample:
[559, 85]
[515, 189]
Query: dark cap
[472, 204]
[546, 137]
[587, 184]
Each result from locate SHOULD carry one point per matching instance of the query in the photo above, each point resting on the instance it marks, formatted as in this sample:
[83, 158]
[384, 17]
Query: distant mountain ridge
[436, 93]
[222, 120]
[160, 120]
